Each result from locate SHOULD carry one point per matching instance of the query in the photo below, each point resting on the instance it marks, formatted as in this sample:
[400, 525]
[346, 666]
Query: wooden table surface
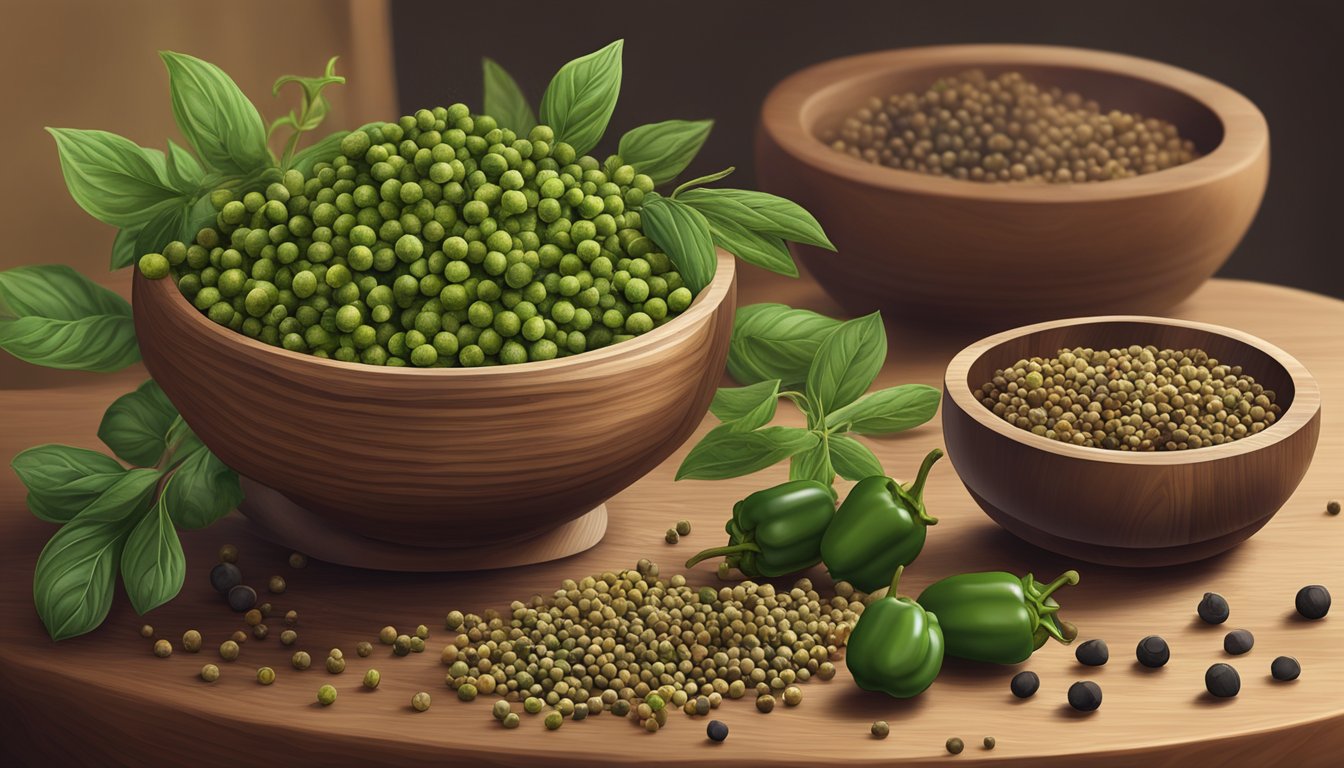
[104, 698]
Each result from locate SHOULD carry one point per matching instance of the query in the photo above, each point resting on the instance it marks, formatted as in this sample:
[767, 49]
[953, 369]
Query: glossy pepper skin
[776, 531]
[896, 646]
[997, 617]
[880, 527]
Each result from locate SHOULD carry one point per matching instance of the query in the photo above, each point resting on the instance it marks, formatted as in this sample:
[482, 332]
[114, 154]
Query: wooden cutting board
[104, 698]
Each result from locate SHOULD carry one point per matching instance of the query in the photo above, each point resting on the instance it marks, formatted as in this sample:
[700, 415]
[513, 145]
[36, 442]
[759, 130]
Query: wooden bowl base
[276, 517]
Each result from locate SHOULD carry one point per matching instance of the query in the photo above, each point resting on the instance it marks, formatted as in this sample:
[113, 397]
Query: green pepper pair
[776, 531]
[996, 616]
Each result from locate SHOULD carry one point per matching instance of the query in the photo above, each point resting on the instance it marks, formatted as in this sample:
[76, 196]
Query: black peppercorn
[1222, 681]
[1238, 641]
[242, 598]
[1153, 651]
[1285, 668]
[1025, 684]
[1213, 608]
[717, 730]
[224, 577]
[1093, 653]
[1313, 601]
[1085, 696]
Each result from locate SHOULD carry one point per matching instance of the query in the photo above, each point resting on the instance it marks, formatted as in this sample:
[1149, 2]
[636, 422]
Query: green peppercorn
[154, 266]
[554, 720]
[146, 631]
[881, 729]
[467, 692]
[335, 665]
[363, 648]
[532, 705]
[417, 645]
[209, 673]
[288, 637]
[326, 695]
[163, 649]
[422, 632]
[265, 675]
[276, 585]
[297, 560]
[671, 536]
[765, 703]
[292, 618]
[510, 720]
[683, 527]
[191, 641]
[301, 660]
[955, 745]
[252, 618]
[387, 635]
[401, 646]
[420, 701]
[793, 695]
[228, 650]
[989, 742]
[260, 631]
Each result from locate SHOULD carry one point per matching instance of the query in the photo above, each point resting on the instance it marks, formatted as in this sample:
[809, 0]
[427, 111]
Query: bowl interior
[1261, 365]
[1110, 89]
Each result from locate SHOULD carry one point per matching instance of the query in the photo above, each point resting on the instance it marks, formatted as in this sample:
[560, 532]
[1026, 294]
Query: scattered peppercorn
[224, 577]
[467, 692]
[510, 720]
[420, 701]
[209, 673]
[276, 585]
[717, 730]
[242, 598]
[288, 637]
[301, 660]
[554, 720]
[335, 665]
[1222, 681]
[163, 649]
[239, 637]
[387, 635]
[765, 703]
[265, 609]
[228, 554]
[265, 675]
[417, 645]
[453, 620]
[191, 641]
[881, 729]
[683, 527]
[252, 618]
[1313, 601]
[1285, 668]
[1332, 507]
[793, 696]
[1238, 641]
[422, 632]
[292, 618]
[1085, 696]
[989, 742]
[955, 745]
[655, 702]
[401, 645]
[1152, 651]
[261, 631]
[228, 650]
[297, 560]
[1213, 608]
[500, 709]
[363, 648]
[620, 708]
[532, 705]
[1025, 684]
[671, 536]
[326, 695]
[1093, 653]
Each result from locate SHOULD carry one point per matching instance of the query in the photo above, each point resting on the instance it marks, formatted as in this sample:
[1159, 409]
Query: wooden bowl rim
[1245, 132]
[706, 304]
[1306, 397]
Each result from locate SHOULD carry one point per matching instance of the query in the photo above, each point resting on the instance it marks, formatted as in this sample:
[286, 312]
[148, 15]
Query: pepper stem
[916, 490]
[895, 580]
[1037, 596]
[731, 549]
[1068, 577]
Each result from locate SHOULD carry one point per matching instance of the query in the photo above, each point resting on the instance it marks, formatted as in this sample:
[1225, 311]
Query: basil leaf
[182, 170]
[153, 566]
[707, 201]
[75, 576]
[129, 494]
[321, 151]
[765, 251]
[746, 408]
[775, 341]
[111, 178]
[788, 219]
[846, 363]
[124, 249]
[724, 453]
[579, 101]
[663, 150]
[683, 234]
[51, 315]
[219, 122]
[136, 425]
[813, 464]
[182, 442]
[62, 480]
[203, 490]
[504, 100]
[853, 460]
[885, 411]
[165, 227]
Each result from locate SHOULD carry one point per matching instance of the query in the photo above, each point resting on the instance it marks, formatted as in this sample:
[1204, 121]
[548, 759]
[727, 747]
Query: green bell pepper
[776, 531]
[880, 526]
[996, 616]
[896, 647]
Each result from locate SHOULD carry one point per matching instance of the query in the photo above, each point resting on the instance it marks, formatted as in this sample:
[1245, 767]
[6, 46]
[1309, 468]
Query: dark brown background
[718, 58]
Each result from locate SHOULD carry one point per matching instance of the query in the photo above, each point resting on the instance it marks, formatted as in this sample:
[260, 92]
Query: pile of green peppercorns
[439, 240]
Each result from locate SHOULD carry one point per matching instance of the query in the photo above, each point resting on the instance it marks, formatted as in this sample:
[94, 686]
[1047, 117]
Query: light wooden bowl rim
[1304, 407]
[787, 117]
[706, 304]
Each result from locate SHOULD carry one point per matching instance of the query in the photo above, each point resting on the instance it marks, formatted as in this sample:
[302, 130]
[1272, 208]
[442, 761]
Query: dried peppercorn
[1313, 601]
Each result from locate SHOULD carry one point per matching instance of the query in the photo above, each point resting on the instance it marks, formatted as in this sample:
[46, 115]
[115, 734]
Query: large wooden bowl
[1120, 507]
[447, 458]
[994, 255]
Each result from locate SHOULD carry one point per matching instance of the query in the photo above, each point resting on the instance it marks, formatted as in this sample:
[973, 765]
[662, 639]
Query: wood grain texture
[441, 457]
[104, 699]
[1142, 509]
[993, 255]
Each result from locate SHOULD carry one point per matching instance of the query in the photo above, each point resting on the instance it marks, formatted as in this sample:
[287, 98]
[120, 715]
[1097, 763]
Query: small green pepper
[896, 646]
[997, 617]
[880, 526]
[776, 531]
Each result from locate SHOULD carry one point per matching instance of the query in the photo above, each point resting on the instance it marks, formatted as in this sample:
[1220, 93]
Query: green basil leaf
[683, 234]
[775, 341]
[75, 576]
[663, 150]
[62, 480]
[203, 490]
[321, 151]
[182, 170]
[813, 464]
[124, 248]
[788, 219]
[579, 101]
[846, 363]
[853, 460]
[219, 122]
[746, 408]
[165, 227]
[136, 425]
[111, 178]
[765, 251]
[182, 442]
[708, 202]
[153, 566]
[504, 100]
[129, 494]
[724, 453]
[51, 315]
[885, 411]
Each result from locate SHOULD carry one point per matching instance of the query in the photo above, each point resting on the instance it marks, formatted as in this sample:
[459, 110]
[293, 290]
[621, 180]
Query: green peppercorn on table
[105, 698]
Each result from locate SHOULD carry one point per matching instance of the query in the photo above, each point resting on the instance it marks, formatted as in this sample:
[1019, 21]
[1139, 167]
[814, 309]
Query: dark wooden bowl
[1120, 507]
[993, 255]
[445, 457]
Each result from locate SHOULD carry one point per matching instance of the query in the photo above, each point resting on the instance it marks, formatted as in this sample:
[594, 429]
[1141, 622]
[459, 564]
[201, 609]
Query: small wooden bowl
[446, 458]
[1119, 507]
[996, 254]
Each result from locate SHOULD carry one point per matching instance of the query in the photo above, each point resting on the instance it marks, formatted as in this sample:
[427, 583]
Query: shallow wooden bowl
[1118, 507]
[937, 249]
[446, 457]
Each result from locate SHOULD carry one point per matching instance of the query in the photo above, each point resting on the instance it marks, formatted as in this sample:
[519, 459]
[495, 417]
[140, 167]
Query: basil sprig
[53, 316]
[843, 360]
